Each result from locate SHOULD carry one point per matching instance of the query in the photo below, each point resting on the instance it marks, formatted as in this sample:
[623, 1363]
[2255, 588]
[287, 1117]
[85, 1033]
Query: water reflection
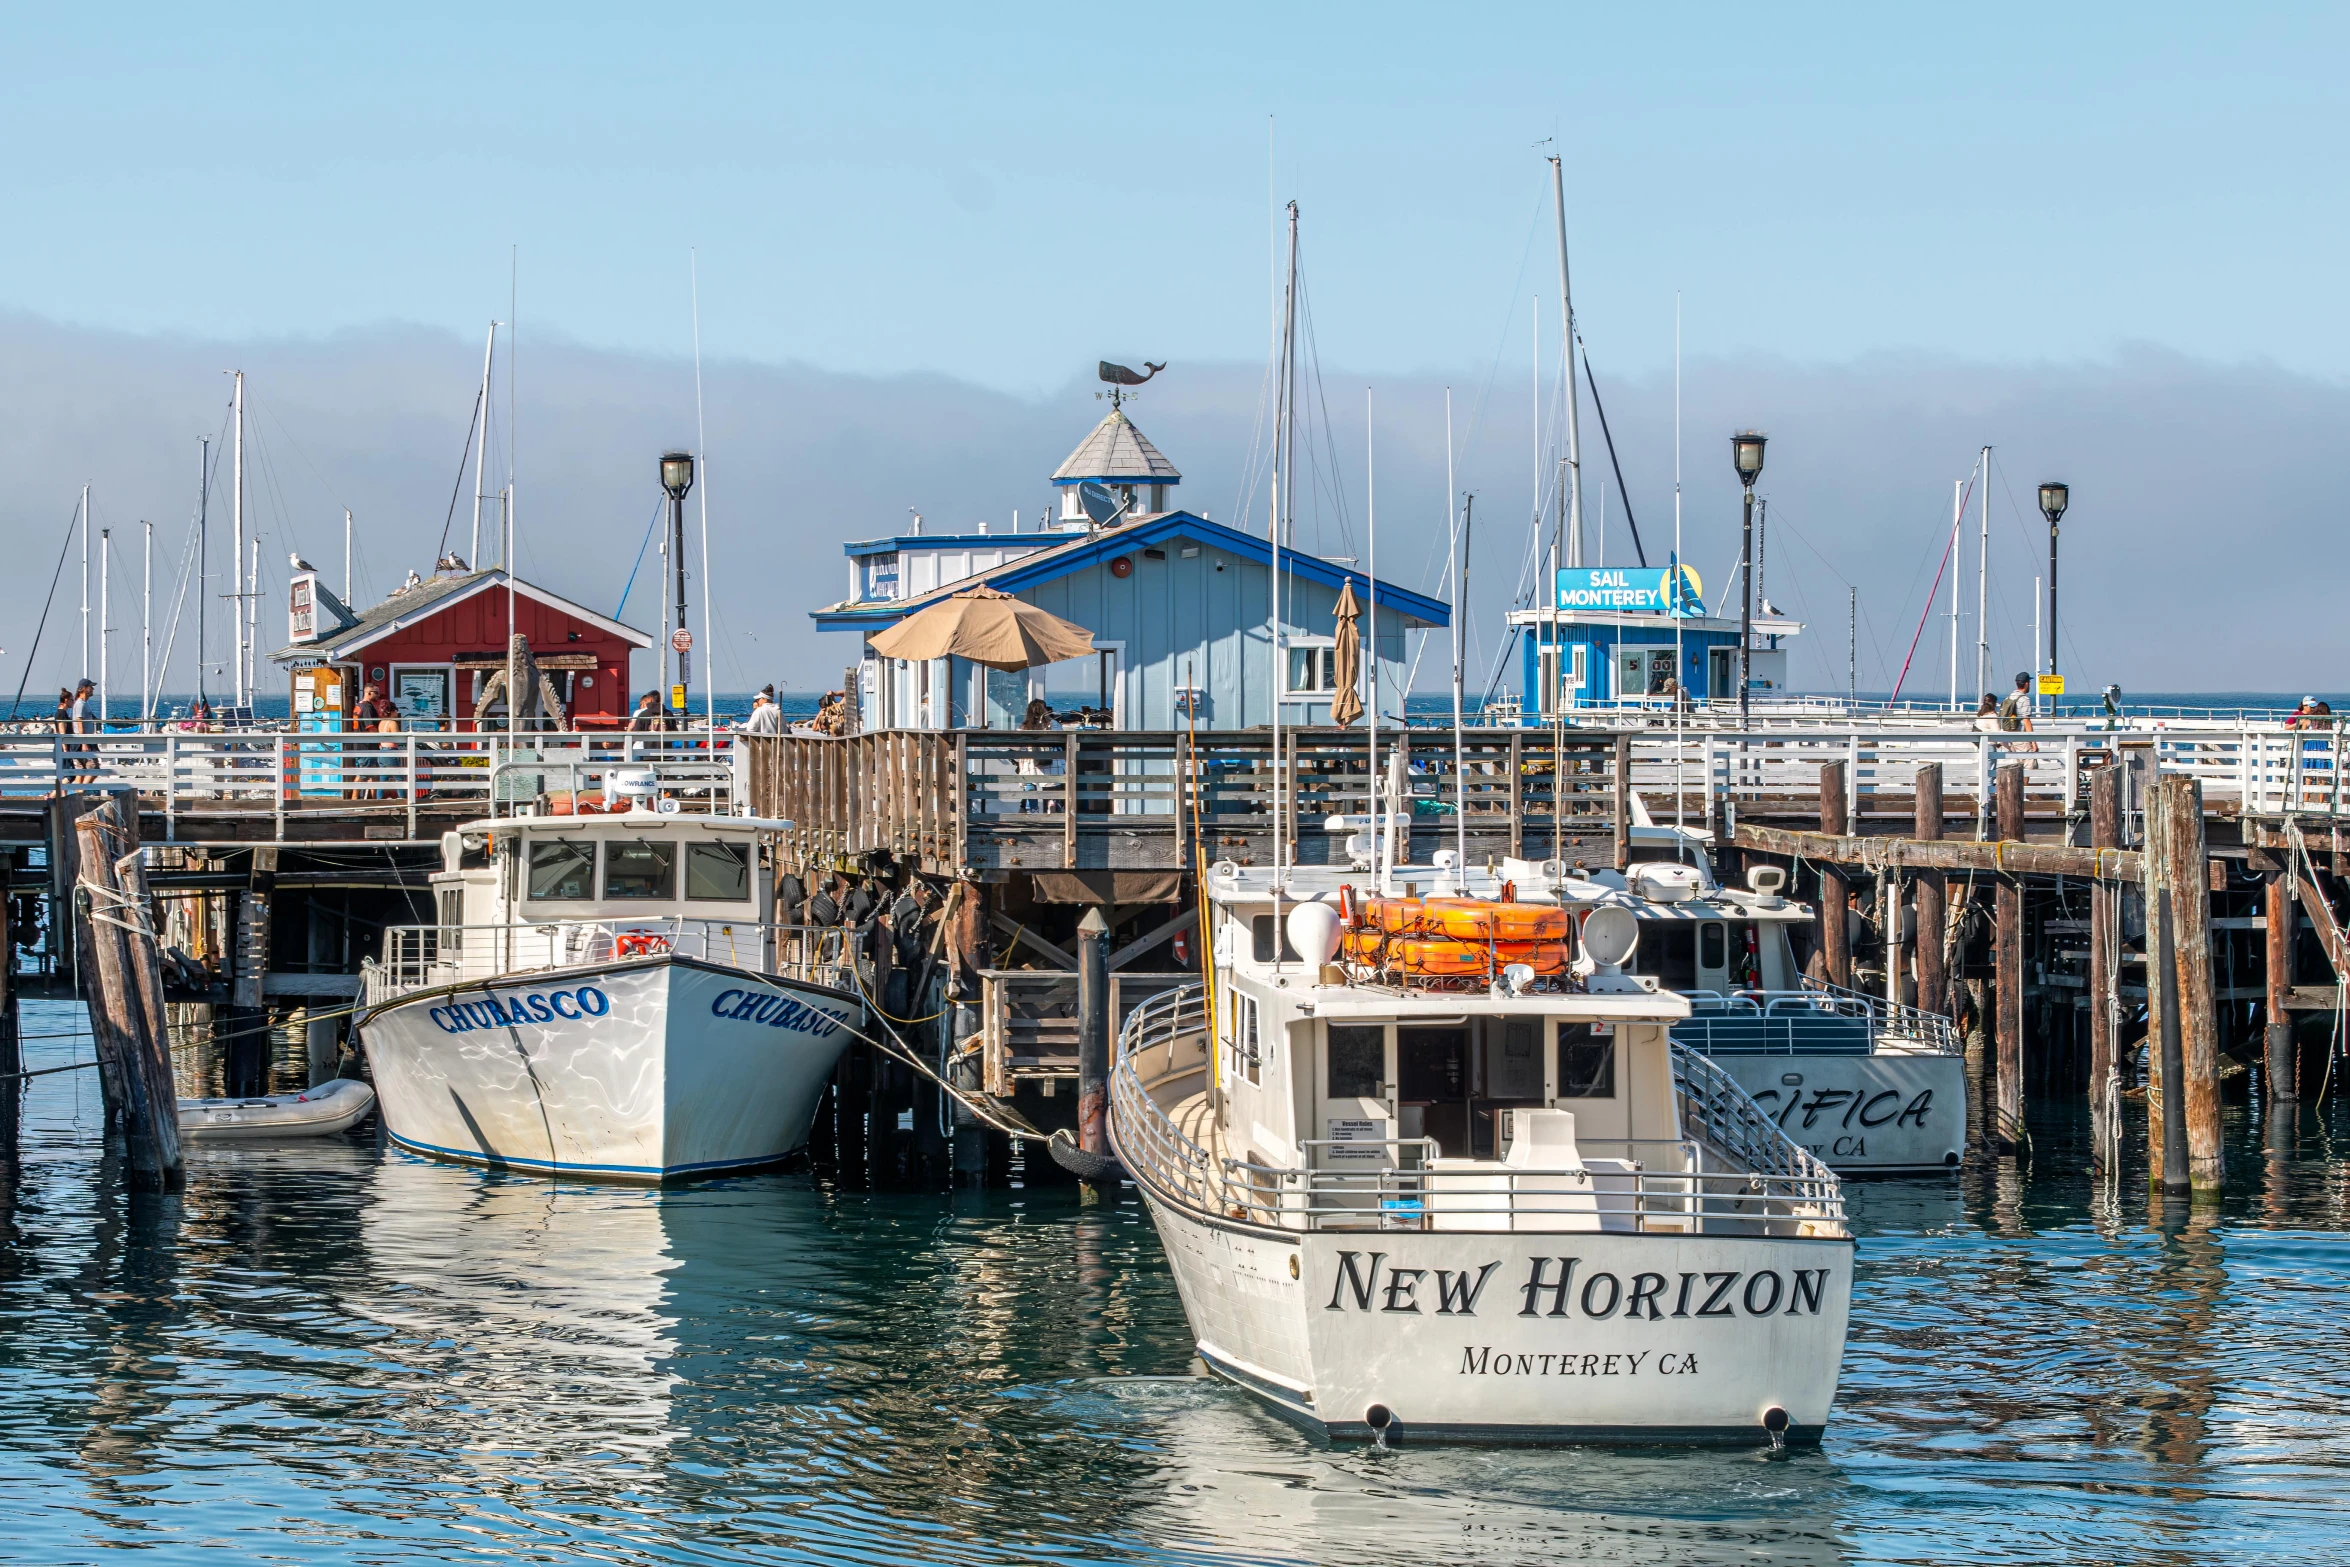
[329, 1351]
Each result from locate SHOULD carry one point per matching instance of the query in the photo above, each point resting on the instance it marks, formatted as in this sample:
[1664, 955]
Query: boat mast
[1957, 570]
[481, 449]
[1983, 578]
[1284, 520]
[1558, 192]
[104, 535]
[203, 549]
[346, 555]
[1460, 632]
[146, 623]
[236, 560]
[1371, 639]
[253, 624]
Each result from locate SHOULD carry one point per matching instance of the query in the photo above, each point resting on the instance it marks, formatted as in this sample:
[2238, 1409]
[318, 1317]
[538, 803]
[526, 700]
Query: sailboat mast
[1285, 500]
[203, 550]
[236, 563]
[481, 424]
[1371, 632]
[1558, 193]
[1983, 577]
[104, 534]
[1460, 781]
[146, 624]
[346, 554]
[1957, 569]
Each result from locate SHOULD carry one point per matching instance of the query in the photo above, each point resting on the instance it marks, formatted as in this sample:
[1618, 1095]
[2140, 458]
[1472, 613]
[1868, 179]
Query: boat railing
[1818, 1019]
[423, 957]
[1736, 1176]
[1720, 1113]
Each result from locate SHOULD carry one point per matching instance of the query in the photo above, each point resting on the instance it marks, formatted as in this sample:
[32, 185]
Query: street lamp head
[1746, 447]
[2053, 498]
[677, 473]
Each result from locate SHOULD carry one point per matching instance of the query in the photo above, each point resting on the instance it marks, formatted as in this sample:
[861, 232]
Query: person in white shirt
[766, 718]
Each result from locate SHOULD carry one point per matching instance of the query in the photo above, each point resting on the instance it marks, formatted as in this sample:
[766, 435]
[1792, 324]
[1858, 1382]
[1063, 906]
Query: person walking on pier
[647, 715]
[2016, 712]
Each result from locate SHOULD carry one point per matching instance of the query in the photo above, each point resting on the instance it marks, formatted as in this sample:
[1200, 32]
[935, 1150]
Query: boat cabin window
[1668, 950]
[718, 872]
[1358, 1061]
[639, 868]
[561, 871]
[1587, 1062]
[1260, 929]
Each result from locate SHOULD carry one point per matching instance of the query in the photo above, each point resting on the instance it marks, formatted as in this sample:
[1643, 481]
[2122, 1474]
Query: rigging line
[171, 637]
[287, 431]
[1622, 494]
[1926, 615]
[54, 578]
[642, 546]
[442, 552]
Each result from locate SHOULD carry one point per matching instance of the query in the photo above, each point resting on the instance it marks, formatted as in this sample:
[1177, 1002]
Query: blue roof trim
[906, 541]
[1121, 479]
[1026, 572]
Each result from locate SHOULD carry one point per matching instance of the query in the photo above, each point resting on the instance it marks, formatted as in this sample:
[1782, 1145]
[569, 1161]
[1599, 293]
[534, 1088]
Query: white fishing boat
[606, 994]
[1497, 1204]
[1868, 1085]
[333, 1106]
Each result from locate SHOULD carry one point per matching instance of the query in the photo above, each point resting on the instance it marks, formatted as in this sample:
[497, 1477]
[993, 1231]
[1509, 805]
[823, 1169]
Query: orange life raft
[1456, 938]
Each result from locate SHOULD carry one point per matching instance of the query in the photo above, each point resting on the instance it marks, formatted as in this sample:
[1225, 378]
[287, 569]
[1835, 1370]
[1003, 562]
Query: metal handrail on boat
[1770, 1022]
[422, 957]
[1737, 1173]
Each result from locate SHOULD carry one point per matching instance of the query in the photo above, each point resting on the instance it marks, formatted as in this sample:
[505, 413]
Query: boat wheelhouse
[606, 992]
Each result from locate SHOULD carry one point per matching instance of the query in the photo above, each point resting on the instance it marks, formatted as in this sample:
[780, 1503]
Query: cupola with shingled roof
[1118, 457]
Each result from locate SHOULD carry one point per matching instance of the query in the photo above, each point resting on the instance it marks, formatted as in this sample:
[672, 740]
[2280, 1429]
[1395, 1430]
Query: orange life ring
[641, 944]
[1393, 915]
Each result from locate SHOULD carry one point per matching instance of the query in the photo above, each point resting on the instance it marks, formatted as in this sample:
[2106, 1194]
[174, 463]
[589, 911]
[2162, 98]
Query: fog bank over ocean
[2197, 487]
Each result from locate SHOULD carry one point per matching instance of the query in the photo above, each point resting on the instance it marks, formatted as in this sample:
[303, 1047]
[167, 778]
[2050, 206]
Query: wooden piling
[2185, 874]
[1931, 898]
[2105, 903]
[1093, 1034]
[126, 1015]
[67, 914]
[2280, 1079]
[1835, 887]
[2007, 943]
[1623, 803]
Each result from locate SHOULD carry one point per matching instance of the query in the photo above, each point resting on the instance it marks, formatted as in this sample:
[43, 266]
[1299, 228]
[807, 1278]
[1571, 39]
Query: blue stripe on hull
[551, 1167]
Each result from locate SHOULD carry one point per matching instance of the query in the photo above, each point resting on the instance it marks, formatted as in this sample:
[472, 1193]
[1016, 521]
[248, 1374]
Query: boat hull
[654, 1069]
[1416, 1335]
[1880, 1114]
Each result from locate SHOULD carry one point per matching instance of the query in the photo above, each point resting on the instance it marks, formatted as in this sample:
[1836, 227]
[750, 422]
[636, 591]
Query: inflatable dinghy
[331, 1107]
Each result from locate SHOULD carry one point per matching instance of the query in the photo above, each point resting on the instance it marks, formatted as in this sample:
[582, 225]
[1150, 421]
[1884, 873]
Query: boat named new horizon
[1502, 1205]
[605, 995]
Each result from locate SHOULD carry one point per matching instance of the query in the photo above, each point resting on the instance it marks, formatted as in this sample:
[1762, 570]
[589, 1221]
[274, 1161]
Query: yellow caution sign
[2048, 685]
[677, 696]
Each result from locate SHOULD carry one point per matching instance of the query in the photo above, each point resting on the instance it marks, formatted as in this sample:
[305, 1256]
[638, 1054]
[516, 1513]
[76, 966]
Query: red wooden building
[433, 643]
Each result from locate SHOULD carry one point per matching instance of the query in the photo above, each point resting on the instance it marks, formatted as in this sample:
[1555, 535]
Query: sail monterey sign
[1666, 590]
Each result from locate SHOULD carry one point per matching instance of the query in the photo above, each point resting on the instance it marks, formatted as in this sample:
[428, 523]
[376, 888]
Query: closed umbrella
[986, 627]
[1347, 705]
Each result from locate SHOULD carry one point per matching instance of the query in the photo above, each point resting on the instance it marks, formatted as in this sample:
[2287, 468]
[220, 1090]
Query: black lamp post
[2054, 496]
[677, 477]
[1746, 449]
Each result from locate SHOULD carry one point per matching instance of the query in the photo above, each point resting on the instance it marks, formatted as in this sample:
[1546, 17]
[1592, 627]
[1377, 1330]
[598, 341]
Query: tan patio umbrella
[1347, 704]
[986, 627]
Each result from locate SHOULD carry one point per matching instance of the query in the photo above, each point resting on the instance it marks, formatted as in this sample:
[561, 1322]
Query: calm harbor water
[332, 1352]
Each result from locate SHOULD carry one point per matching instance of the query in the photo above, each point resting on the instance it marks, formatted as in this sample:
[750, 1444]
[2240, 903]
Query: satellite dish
[1100, 505]
[1609, 935]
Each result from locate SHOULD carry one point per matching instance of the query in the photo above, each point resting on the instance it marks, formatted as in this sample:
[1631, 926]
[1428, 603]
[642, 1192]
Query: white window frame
[1328, 667]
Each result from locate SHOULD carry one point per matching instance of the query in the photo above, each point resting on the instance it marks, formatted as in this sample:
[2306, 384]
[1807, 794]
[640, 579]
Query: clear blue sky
[1002, 194]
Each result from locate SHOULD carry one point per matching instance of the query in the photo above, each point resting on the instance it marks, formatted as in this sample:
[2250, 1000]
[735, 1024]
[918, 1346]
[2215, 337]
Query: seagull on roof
[300, 564]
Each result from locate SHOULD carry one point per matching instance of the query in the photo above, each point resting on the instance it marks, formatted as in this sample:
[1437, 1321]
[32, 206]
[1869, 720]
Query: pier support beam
[2280, 1084]
[1835, 887]
[2007, 951]
[124, 980]
[1093, 1033]
[2184, 869]
[1932, 905]
[2105, 919]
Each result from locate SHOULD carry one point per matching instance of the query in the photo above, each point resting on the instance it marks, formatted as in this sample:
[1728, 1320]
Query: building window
[1311, 668]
